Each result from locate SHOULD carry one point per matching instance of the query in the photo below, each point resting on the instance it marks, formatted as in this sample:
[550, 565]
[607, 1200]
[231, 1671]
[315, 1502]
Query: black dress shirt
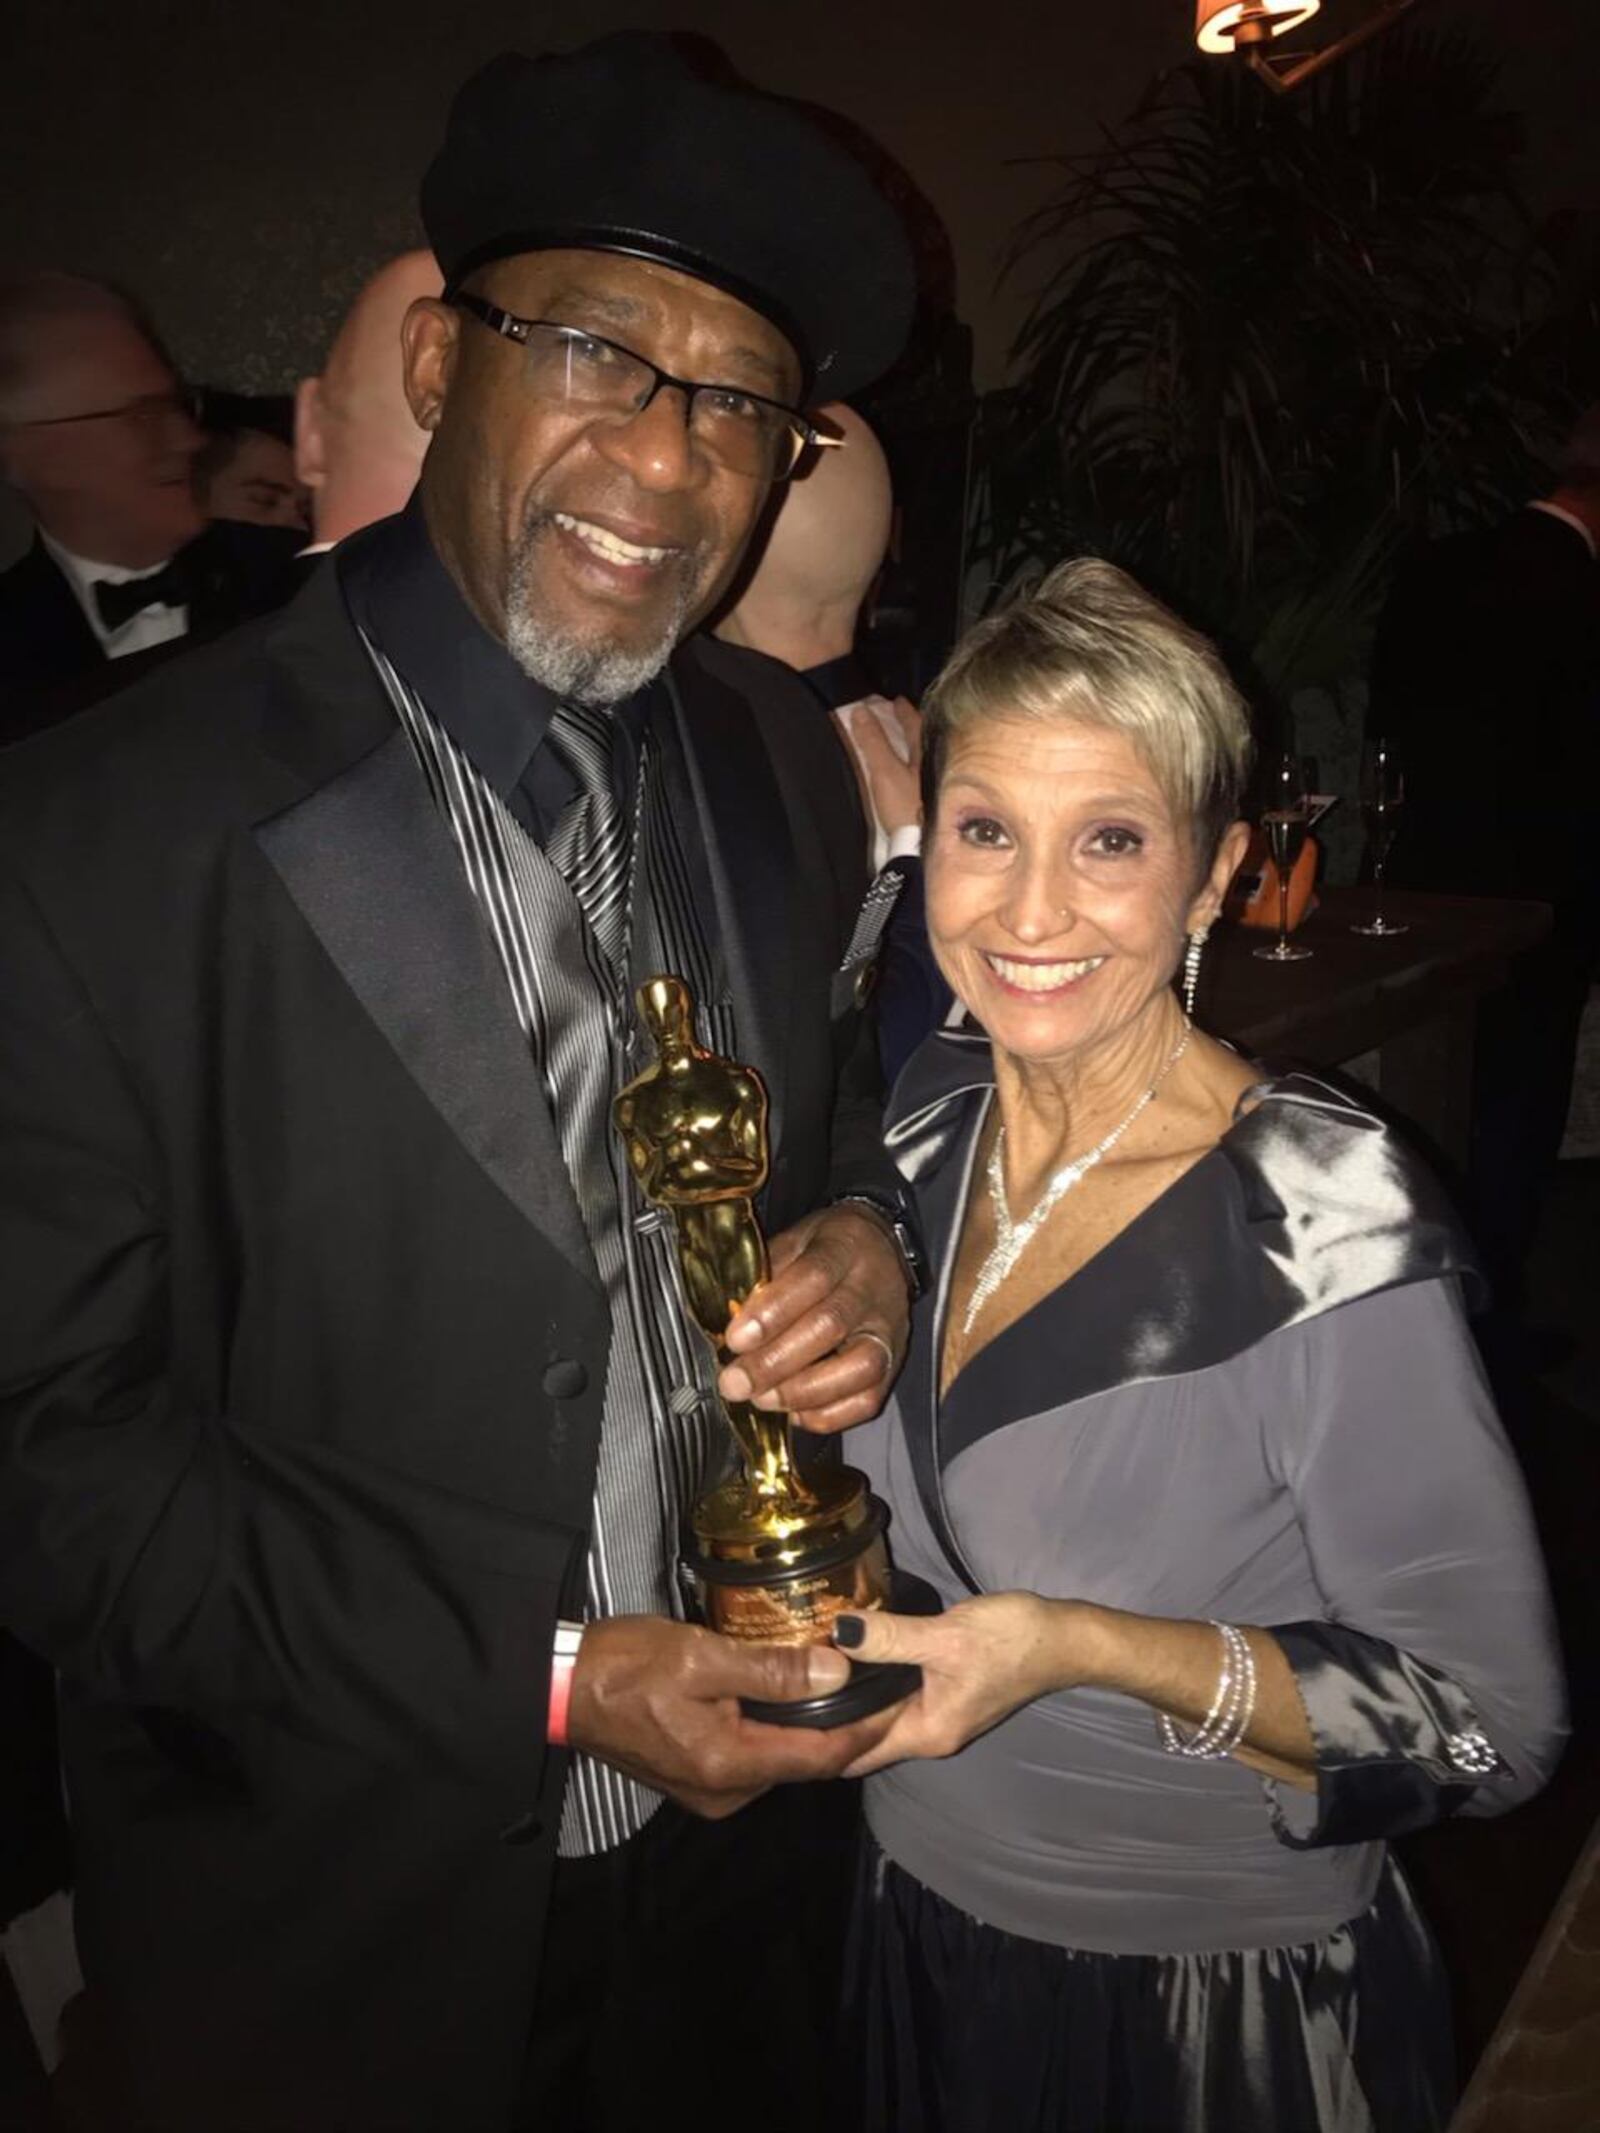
[400, 593]
[840, 681]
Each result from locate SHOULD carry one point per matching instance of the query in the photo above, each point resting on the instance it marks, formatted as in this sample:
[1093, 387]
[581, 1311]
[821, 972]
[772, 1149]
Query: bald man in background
[802, 604]
[357, 449]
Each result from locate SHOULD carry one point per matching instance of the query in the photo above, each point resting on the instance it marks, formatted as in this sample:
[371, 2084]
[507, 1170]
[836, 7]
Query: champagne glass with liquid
[1383, 798]
[1286, 819]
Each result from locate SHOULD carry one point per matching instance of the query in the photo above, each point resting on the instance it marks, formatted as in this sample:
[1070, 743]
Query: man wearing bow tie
[97, 437]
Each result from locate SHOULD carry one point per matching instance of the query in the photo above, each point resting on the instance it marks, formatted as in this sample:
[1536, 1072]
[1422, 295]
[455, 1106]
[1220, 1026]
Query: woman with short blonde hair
[1238, 1575]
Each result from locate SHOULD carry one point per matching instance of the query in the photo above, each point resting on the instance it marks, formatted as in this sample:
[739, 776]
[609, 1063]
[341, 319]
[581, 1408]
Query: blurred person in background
[357, 448]
[98, 437]
[1486, 671]
[802, 604]
[245, 469]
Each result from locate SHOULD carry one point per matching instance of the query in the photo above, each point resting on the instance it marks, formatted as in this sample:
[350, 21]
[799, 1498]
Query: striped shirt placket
[661, 1436]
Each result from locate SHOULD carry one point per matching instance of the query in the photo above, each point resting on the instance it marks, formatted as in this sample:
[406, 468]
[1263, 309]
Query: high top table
[1397, 1012]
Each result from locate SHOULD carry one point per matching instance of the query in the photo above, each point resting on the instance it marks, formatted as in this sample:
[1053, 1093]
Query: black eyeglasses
[150, 410]
[743, 431]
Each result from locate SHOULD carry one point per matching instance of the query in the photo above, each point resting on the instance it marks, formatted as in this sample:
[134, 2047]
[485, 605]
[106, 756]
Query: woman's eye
[983, 831]
[1115, 842]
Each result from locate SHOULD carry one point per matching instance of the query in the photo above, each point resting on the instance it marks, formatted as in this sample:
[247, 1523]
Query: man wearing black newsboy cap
[349, 1416]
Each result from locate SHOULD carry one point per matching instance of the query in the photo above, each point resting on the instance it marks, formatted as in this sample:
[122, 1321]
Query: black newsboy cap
[622, 147]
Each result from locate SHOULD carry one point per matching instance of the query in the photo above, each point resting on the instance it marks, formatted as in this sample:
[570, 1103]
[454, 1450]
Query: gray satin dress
[1259, 1403]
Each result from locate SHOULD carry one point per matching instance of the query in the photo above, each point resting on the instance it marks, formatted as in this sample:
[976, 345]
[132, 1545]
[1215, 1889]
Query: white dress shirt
[152, 625]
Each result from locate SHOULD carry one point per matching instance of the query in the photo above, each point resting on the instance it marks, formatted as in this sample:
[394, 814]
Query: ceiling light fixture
[1249, 26]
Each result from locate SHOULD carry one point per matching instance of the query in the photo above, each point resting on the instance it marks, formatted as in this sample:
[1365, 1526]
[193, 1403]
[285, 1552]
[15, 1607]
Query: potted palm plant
[1272, 340]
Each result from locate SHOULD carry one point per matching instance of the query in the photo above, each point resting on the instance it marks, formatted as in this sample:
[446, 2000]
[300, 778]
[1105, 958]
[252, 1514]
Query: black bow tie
[168, 587]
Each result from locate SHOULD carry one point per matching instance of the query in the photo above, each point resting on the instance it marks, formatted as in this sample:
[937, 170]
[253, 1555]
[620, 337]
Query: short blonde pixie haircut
[1090, 646]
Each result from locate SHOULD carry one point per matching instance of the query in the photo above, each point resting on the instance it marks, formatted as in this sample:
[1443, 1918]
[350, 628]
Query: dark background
[243, 167]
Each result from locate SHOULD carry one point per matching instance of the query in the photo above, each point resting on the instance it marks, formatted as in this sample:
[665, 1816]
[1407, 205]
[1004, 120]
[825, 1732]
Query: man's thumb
[789, 1673]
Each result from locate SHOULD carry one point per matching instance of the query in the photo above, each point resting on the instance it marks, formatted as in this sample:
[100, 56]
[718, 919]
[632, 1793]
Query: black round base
[871, 1687]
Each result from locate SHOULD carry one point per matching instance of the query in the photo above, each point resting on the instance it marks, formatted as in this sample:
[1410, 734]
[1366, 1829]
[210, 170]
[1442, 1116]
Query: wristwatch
[895, 1217]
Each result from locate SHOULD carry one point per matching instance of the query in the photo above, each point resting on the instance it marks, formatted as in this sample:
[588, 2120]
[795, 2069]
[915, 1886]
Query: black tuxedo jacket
[51, 661]
[305, 1351]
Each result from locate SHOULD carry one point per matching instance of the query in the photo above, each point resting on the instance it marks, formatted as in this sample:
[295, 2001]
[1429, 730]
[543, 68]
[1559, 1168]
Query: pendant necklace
[1011, 1239]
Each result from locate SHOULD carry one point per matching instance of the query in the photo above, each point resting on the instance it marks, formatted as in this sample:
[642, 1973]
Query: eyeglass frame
[182, 400]
[513, 328]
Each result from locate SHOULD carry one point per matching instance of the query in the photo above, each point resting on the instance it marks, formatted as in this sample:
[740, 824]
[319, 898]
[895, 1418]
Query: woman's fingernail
[744, 1335]
[849, 1632]
[734, 1385]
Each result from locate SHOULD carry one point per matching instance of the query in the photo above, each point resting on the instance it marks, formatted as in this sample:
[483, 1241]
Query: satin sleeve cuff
[1398, 1744]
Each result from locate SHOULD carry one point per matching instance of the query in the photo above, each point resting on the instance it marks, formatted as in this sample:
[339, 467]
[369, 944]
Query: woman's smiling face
[1060, 884]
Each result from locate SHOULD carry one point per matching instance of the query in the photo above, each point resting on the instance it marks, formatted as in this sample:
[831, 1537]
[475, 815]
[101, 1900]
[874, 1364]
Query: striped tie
[589, 846]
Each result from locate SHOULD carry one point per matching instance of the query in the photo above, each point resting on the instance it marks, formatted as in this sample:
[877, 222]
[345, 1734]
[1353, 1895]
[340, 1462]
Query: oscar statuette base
[768, 1576]
[872, 1686]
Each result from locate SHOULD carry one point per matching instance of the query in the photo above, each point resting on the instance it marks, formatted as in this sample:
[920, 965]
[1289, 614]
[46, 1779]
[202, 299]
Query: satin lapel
[752, 864]
[1307, 1203]
[372, 868]
[941, 1200]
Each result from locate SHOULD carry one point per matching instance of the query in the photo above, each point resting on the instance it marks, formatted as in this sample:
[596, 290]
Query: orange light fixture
[1248, 27]
[1236, 25]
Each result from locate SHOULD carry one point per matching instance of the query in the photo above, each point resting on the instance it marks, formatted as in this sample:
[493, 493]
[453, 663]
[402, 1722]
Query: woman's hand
[980, 1661]
[987, 1657]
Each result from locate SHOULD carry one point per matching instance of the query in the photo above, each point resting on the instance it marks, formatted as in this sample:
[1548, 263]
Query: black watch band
[892, 1213]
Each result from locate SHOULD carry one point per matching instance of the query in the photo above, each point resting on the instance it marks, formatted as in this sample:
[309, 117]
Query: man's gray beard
[582, 670]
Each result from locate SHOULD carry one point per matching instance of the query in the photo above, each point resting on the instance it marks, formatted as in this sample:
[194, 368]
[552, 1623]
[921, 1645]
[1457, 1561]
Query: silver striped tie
[589, 845]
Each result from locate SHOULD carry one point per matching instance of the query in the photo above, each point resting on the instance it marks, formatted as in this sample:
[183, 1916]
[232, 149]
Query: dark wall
[244, 163]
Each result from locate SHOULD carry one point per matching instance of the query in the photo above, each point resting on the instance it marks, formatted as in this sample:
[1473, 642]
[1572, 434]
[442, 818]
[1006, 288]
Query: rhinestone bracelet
[1221, 1720]
[1228, 1720]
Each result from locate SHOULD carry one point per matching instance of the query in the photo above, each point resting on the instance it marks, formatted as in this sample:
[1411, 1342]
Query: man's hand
[826, 1335]
[659, 1700]
[885, 742]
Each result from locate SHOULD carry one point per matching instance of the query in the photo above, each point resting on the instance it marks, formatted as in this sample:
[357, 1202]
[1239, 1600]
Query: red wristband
[569, 1635]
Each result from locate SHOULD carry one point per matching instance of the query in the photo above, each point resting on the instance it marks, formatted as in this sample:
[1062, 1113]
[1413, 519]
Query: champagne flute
[1286, 819]
[1383, 797]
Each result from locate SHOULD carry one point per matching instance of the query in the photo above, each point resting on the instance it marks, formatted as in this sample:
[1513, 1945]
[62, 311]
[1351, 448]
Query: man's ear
[428, 339]
[310, 452]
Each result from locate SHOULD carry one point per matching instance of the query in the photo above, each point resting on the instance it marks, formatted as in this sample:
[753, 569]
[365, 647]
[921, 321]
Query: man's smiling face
[589, 543]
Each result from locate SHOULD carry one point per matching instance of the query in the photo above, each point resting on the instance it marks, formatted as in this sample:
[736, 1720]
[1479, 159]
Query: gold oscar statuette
[775, 1555]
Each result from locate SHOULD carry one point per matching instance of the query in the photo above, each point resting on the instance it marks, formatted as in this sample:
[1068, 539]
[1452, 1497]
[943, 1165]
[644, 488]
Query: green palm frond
[1272, 339]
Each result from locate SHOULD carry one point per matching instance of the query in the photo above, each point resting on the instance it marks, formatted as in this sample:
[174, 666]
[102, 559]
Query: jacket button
[565, 1378]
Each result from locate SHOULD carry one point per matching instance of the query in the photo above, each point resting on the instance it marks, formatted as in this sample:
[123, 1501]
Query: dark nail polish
[848, 1632]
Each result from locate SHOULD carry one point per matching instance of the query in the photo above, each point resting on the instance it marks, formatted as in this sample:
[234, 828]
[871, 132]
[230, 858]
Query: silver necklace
[1011, 1239]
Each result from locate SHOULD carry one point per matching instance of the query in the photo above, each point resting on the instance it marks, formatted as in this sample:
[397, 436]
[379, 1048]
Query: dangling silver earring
[1191, 968]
